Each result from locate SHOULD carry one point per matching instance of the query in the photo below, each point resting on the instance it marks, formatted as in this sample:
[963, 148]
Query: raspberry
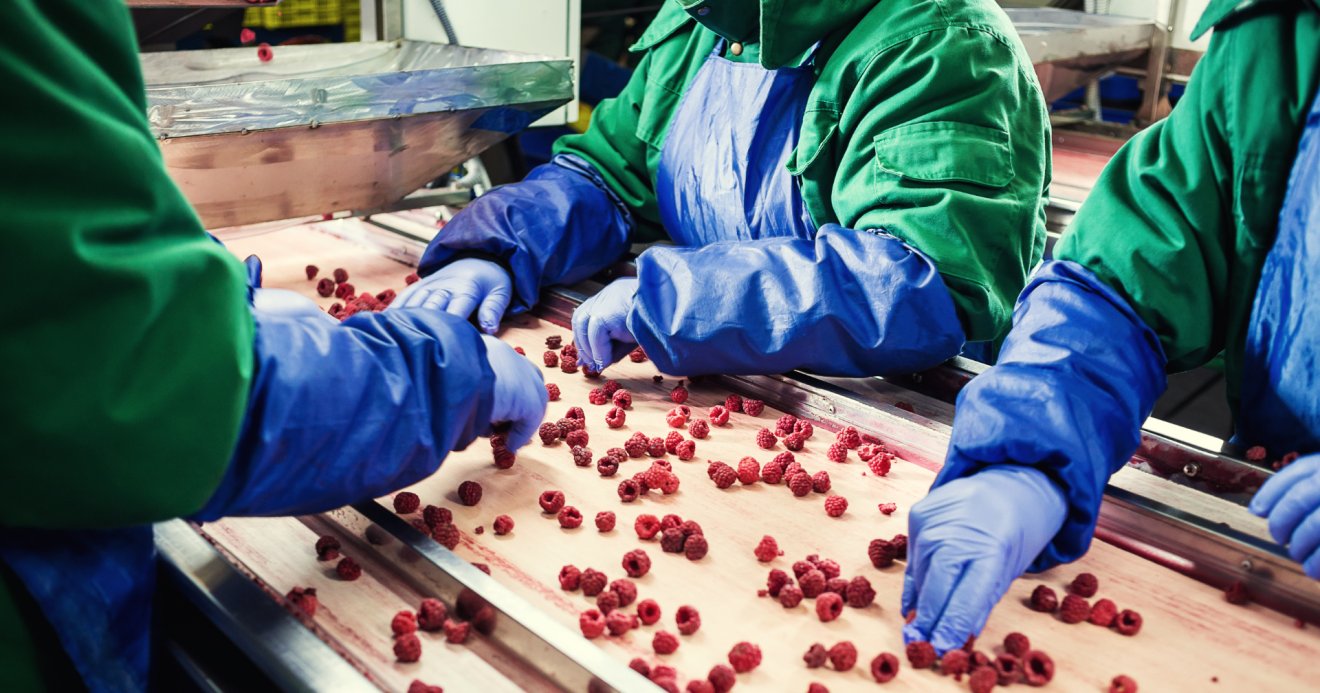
[669, 484]
[1103, 613]
[825, 565]
[554, 341]
[790, 596]
[920, 654]
[646, 526]
[800, 484]
[801, 568]
[615, 417]
[340, 274]
[552, 392]
[695, 547]
[772, 472]
[569, 352]
[405, 503]
[1123, 684]
[887, 508]
[325, 287]
[303, 598]
[1017, 644]
[417, 686]
[784, 424]
[829, 606]
[776, 581]
[411, 279]
[900, 542]
[312, 271]
[636, 445]
[679, 394]
[690, 527]
[327, 547]
[625, 589]
[622, 399]
[664, 642]
[348, 569]
[618, 622]
[1084, 585]
[551, 501]
[843, 655]
[859, 592]
[767, 550]
[815, 656]
[597, 396]
[1044, 599]
[636, 563]
[879, 466]
[1074, 609]
[435, 516]
[983, 680]
[403, 622]
[699, 428]
[722, 474]
[838, 586]
[604, 521]
[804, 429]
[387, 296]
[550, 359]
[812, 583]
[849, 437]
[980, 660]
[446, 535]
[567, 425]
[577, 439]
[656, 447]
[570, 517]
[640, 666]
[672, 439]
[504, 458]
[1008, 669]
[431, 614]
[469, 493]
[1037, 668]
[592, 623]
[648, 611]
[733, 403]
[765, 439]
[700, 686]
[1128, 622]
[794, 441]
[820, 482]
[881, 553]
[1236, 593]
[686, 450]
[722, 677]
[549, 433]
[718, 415]
[753, 407]
[610, 387]
[593, 582]
[688, 619]
[672, 540]
[607, 602]
[581, 455]
[884, 667]
[607, 466]
[749, 471]
[744, 656]
[1255, 453]
[837, 453]
[629, 490]
[955, 663]
[407, 648]
[637, 355]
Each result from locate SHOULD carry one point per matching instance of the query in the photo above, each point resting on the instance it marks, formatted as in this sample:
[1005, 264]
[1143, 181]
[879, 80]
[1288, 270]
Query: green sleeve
[128, 342]
[945, 143]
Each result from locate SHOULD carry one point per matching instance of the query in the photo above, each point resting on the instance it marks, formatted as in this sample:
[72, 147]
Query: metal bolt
[1191, 469]
[1247, 565]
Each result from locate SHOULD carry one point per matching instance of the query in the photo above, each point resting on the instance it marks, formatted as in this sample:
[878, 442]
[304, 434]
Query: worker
[854, 187]
[1198, 239]
[141, 385]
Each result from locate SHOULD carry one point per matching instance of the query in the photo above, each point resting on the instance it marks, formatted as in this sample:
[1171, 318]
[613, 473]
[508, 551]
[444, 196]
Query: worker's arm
[938, 198]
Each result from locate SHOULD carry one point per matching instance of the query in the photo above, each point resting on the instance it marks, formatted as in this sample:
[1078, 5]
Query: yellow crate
[299, 13]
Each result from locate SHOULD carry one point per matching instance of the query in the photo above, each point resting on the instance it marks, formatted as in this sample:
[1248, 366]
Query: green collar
[1220, 10]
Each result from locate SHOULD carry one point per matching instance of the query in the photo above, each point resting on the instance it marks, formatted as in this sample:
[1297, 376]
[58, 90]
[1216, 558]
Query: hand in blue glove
[461, 287]
[600, 325]
[278, 301]
[968, 540]
[1291, 502]
[520, 396]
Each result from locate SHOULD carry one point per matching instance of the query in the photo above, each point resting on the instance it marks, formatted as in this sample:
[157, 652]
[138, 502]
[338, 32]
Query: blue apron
[723, 172]
[1280, 396]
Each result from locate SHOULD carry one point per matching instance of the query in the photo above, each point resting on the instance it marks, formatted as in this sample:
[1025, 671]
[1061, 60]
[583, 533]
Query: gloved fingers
[253, 265]
[1305, 540]
[436, 299]
[414, 296]
[534, 399]
[462, 304]
[1311, 566]
[492, 309]
[602, 346]
[908, 601]
[1297, 502]
[969, 607]
[1269, 494]
[936, 588]
[581, 319]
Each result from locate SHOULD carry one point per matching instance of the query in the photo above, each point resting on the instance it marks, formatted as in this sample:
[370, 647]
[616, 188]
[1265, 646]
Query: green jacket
[926, 120]
[115, 272]
[1183, 216]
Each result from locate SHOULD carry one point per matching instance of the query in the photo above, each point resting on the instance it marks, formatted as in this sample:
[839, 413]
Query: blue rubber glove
[520, 396]
[600, 325]
[460, 288]
[968, 540]
[278, 301]
[1291, 502]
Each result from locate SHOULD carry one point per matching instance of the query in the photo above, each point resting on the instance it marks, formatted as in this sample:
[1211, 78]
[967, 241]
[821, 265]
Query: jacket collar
[1220, 10]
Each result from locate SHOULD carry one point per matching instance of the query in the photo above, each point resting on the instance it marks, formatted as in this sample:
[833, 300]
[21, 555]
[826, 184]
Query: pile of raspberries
[676, 535]
[816, 578]
[353, 303]
[1017, 663]
[432, 616]
[1075, 608]
[436, 521]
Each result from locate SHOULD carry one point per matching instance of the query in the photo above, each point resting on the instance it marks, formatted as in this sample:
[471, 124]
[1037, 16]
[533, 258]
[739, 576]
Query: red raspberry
[504, 458]
[592, 623]
[733, 403]
[825, 565]
[550, 359]
[551, 501]
[607, 466]
[646, 526]
[327, 547]
[406, 502]
[625, 589]
[615, 418]
[881, 553]
[1037, 668]
[1084, 585]
[618, 623]
[749, 471]
[503, 524]
[690, 527]
[672, 439]
[699, 428]
[648, 611]
[1103, 613]
[868, 452]
[676, 418]
[790, 596]
[850, 438]
[446, 535]
[568, 424]
[686, 450]
[669, 484]
[567, 366]
[718, 415]
[835, 506]
[597, 396]
[469, 493]
[607, 602]
[1008, 669]
[604, 521]
[629, 490]
[1044, 599]
[801, 568]
[655, 447]
[348, 569]
[800, 484]
[920, 654]
[636, 563]
[765, 439]
[636, 444]
[829, 606]
[744, 656]
[983, 680]
[570, 517]
[776, 581]
[303, 598]
[1123, 684]
[880, 465]
[700, 686]
[813, 583]
[772, 472]
[900, 542]
[1017, 644]
[387, 297]
[637, 355]
[843, 655]
[407, 648]
[955, 663]
[722, 677]
[431, 614]
[554, 341]
[784, 424]
[403, 622]
[622, 399]
[679, 394]
[581, 455]
[794, 441]
[1236, 593]
[838, 452]
[345, 291]
[577, 438]
[672, 540]
[722, 474]
[695, 547]
[820, 482]
[325, 287]
[1074, 609]
[884, 667]
[549, 433]
[1255, 454]
[411, 279]
[887, 508]
[340, 275]
[753, 407]
[664, 642]
[688, 619]
[804, 429]
[1128, 622]
[552, 392]
[767, 550]
[593, 582]
[311, 271]
[859, 592]
[838, 586]
[815, 656]
[640, 666]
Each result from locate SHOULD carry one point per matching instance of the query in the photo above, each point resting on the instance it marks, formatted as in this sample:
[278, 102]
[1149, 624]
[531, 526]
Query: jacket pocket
[945, 151]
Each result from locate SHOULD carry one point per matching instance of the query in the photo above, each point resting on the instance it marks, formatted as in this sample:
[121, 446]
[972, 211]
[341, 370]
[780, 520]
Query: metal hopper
[323, 128]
